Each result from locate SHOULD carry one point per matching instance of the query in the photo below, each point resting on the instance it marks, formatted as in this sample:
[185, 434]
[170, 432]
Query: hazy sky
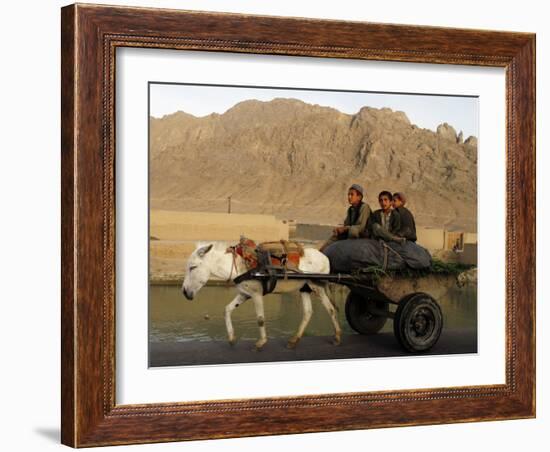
[426, 111]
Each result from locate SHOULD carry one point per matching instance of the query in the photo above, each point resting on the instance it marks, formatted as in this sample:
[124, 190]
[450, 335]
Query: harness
[269, 260]
[268, 280]
[233, 263]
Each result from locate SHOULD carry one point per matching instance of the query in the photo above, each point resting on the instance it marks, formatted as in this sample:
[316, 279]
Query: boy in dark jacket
[384, 222]
[407, 227]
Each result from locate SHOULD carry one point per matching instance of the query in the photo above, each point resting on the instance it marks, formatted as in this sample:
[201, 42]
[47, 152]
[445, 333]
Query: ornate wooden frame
[90, 35]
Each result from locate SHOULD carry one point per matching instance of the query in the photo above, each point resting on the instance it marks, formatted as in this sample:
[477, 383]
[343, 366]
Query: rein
[233, 264]
[386, 249]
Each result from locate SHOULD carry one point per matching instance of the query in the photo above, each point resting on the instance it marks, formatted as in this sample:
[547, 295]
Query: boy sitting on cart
[407, 226]
[385, 222]
[355, 223]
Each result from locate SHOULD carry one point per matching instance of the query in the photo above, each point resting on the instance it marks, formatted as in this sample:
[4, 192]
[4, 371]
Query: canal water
[173, 318]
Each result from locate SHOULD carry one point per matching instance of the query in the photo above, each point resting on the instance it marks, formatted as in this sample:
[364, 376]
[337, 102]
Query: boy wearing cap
[355, 223]
[407, 226]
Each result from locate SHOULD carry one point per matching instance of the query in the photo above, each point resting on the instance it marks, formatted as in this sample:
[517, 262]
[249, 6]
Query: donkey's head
[197, 272]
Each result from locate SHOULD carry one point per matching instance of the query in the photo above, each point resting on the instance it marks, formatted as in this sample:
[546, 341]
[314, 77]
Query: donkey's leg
[235, 303]
[306, 304]
[259, 307]
[322, 292]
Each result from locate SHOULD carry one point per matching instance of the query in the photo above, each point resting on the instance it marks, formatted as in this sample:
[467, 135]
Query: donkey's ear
[202, 251]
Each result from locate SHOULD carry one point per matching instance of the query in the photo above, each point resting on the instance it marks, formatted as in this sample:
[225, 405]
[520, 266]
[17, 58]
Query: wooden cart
[417, 317]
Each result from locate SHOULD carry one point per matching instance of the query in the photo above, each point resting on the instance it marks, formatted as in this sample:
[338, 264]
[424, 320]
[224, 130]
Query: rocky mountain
[296, 160]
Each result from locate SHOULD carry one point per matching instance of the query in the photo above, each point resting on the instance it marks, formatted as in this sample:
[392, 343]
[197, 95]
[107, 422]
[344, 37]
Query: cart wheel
[359, 317]
[418, 322]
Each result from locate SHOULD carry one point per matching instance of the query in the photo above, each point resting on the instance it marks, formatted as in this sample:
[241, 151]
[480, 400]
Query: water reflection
[176, 319]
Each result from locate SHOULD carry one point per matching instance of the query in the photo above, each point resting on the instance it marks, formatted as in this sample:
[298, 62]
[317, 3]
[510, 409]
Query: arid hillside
[295, 161]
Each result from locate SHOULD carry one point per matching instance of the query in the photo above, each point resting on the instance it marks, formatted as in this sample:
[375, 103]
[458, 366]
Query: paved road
[310, 348]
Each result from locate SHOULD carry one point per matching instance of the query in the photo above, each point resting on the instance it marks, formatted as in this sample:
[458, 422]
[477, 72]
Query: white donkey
[212, 261]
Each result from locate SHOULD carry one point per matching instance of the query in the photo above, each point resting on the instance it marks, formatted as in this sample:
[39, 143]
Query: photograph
[290, 224]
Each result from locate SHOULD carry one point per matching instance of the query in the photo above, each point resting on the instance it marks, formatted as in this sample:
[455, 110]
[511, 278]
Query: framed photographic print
[282, 225]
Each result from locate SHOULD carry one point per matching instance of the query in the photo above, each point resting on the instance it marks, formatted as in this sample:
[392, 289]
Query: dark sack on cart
[347, 256]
